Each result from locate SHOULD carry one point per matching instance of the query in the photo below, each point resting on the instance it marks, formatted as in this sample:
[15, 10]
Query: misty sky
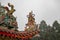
[48, 10]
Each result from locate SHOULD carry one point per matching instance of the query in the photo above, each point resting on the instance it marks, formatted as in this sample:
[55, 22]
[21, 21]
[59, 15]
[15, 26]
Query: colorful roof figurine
[31, 24]
[7, 18]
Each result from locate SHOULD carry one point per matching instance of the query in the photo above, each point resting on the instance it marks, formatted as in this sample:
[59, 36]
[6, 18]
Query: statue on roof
[6, 17]
[31, 22]
[31, 18]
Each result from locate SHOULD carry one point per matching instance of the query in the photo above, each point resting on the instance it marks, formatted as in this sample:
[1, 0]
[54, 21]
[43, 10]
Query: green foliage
[48, 32]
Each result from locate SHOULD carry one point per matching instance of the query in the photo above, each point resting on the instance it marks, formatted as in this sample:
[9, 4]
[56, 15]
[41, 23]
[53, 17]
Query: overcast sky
[48, 10]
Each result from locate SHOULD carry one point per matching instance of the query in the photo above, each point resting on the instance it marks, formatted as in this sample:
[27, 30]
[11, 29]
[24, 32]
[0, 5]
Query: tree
[43, 27]
[56, 27]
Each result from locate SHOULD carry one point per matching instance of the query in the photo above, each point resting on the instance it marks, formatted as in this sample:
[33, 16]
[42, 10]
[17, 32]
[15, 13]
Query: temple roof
[8, 22]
